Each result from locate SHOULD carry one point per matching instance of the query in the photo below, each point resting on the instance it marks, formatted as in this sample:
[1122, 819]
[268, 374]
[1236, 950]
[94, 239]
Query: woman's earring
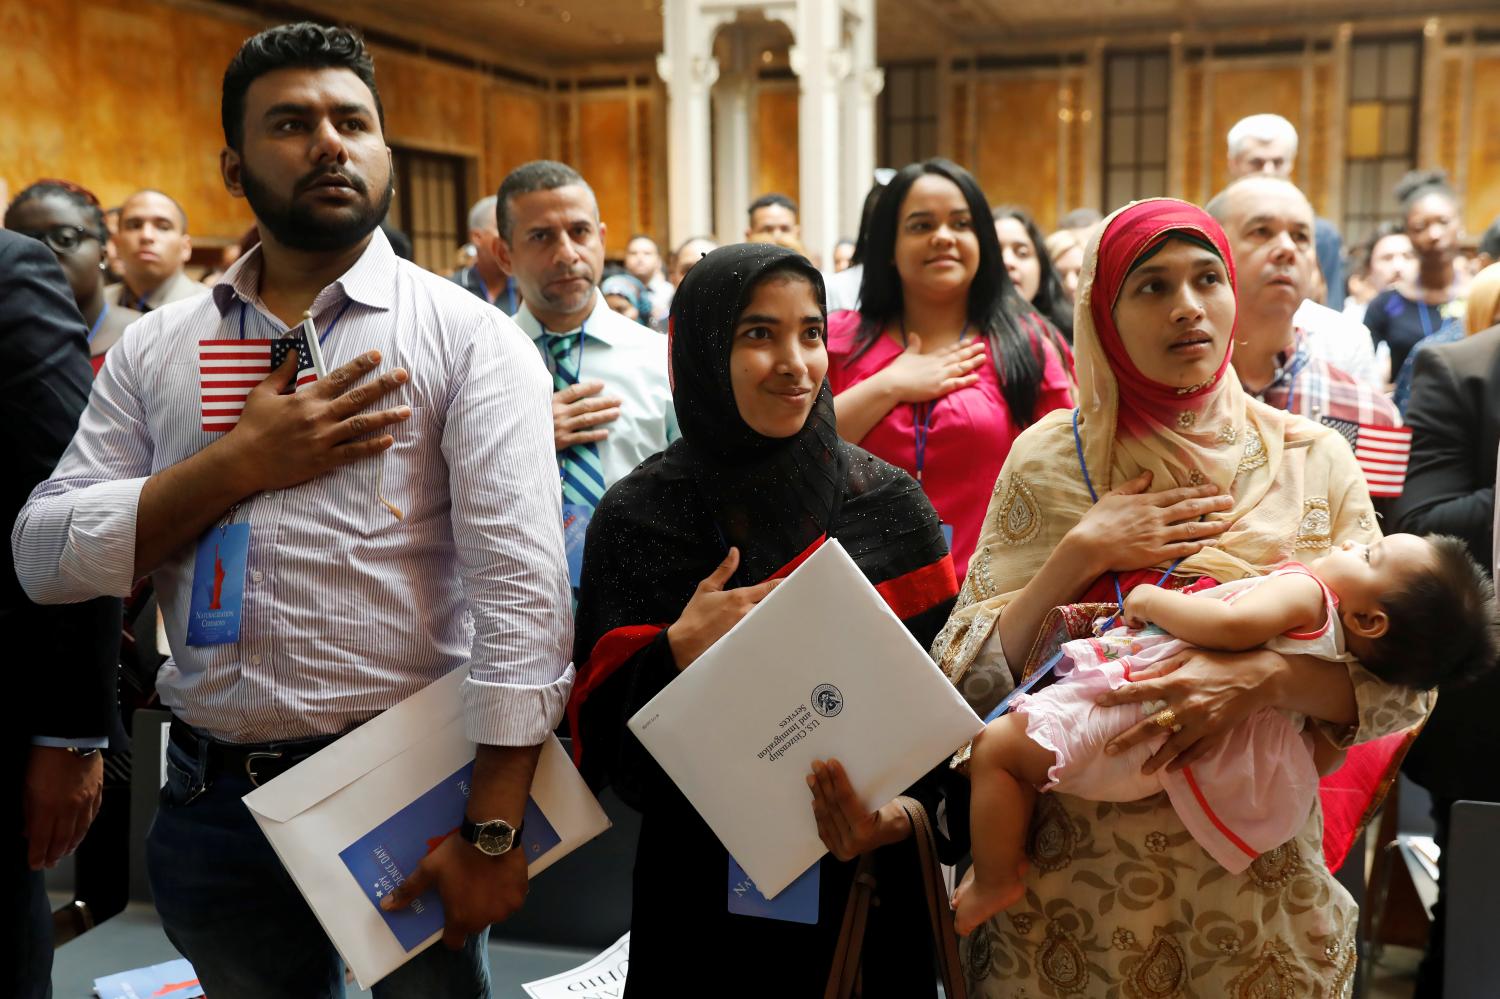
[103, 266]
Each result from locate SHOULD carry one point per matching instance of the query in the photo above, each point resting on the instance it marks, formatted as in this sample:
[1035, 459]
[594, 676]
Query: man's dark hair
[528, 178]
[176, 205]
[79, 196]
[1360, 256]
[1442, 622]
[291, 46]
[772, 200]
[1489, 243]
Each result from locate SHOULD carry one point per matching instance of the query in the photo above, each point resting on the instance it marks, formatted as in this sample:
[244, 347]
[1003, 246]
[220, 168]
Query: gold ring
[1167, 718]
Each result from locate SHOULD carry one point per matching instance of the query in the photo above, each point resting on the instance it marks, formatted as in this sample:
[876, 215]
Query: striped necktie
[582, 471]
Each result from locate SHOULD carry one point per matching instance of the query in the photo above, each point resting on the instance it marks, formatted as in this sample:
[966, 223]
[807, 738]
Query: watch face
[495, 837]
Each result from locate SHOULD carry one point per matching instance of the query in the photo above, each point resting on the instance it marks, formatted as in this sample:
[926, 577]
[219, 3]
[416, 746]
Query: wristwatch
[83, 754]
[491, 838]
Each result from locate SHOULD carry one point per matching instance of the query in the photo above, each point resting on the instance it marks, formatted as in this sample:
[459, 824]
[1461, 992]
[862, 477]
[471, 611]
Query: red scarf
[1144, 226]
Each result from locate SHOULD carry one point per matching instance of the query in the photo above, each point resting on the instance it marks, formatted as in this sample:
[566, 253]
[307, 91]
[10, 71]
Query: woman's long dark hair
[1050, 299]
[1008, 322]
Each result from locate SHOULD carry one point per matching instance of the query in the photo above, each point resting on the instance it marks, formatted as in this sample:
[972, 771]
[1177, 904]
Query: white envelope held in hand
[820, 669]
[352, 821]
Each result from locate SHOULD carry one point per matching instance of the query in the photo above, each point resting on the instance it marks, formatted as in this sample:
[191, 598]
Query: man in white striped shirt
[348, 606]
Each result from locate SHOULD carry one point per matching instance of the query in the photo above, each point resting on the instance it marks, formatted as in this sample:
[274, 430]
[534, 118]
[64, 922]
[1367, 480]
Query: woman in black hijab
[758, 480]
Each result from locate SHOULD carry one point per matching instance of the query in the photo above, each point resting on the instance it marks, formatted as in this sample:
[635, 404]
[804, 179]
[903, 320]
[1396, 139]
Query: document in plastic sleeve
[820, 669]
[352, 822]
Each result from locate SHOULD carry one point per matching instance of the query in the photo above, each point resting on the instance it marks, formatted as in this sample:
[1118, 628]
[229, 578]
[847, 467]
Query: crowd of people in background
[996, 373]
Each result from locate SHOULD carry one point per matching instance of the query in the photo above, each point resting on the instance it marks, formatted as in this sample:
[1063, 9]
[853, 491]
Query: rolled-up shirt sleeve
[75, 537]
[507, 530]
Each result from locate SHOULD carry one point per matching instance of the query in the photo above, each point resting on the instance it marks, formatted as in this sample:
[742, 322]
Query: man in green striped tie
[612, 403]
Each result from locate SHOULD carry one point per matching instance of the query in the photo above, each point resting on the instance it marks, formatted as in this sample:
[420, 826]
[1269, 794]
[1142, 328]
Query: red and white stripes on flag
[1382, 453]
[227, 371]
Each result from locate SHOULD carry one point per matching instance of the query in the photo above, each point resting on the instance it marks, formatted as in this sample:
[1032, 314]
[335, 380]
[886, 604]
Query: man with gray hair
[612, 402]
[1267, 143]
[485, 277]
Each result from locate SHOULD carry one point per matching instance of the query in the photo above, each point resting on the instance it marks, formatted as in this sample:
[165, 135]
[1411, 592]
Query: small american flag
[1382, 453]
[229, 369]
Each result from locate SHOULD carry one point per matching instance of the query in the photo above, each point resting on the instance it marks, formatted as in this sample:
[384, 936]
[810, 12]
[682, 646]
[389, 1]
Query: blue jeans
[234, 912]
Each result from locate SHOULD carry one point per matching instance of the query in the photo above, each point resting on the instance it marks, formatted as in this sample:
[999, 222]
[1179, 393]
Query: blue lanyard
[921, 415]
[1114, 576]
[323, 336]
[921, 426]
[1426, 322]
[98, 321]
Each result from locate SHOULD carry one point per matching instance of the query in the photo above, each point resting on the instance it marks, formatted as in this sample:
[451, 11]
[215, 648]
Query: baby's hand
[1134, 613]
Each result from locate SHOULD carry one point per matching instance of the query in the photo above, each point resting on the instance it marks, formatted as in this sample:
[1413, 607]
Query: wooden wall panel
[961, 150]
[1194, 145]
[604, 160]
[1482, 204]
[1238, 92]
[1016, 156]
[776, 140]
[1074, 138]
[429, 105]
[122, 94]
[515, 132]
[646, 182]
[1314, 179]
[102, 93]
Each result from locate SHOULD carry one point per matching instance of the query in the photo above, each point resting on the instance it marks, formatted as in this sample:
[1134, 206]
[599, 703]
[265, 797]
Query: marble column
[688, 68]
[857, 94]
[821, 61]
[734, 142]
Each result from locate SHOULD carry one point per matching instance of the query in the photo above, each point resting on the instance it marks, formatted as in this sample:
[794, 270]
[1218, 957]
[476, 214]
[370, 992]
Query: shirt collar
[371, 281]
[1291, 361]
[600, 324]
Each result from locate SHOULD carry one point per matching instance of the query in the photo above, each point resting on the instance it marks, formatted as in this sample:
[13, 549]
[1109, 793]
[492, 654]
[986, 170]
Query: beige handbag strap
[844, 974]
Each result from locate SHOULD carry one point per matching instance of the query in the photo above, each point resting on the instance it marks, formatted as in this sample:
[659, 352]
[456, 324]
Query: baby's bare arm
[1326, 756]
[1290, 602]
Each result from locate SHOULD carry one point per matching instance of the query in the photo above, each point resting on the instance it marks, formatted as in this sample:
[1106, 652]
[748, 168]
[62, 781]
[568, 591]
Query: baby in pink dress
[1414, 611]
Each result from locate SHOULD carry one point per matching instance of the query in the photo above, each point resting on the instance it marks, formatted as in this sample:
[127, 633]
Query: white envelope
[323, 804]
[820, 669]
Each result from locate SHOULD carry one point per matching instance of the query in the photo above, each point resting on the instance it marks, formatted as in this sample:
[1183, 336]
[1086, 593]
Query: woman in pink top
[944, 363]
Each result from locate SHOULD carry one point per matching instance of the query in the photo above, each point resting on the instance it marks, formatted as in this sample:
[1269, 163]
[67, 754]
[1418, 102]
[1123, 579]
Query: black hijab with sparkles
[663, 528]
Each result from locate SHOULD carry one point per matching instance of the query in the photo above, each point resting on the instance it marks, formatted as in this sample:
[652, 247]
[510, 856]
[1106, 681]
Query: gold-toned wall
[1016, 155]
[515, 132]
[1482, 202]
[117, 96]
[1024, 138]
[1026, 133]
[122, 94]
[776, 140]
[1237, 93]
